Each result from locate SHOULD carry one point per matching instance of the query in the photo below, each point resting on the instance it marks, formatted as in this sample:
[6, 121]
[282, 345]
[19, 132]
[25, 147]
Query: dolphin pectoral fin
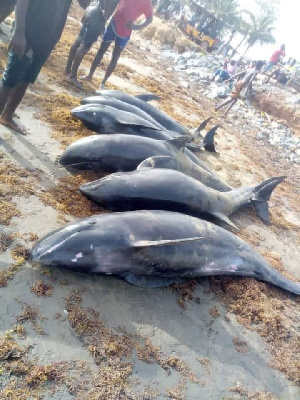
[158, 162]
[179, 142]
[147, 97]
[224, 218]
[150, 282]
[208, 141]
[150, 243]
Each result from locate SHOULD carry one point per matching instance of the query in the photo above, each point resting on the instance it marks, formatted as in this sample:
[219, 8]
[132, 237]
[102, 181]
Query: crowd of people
[38, 27]
[277, 68]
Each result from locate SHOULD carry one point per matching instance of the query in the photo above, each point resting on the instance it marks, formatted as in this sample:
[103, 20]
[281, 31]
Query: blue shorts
[111, 36]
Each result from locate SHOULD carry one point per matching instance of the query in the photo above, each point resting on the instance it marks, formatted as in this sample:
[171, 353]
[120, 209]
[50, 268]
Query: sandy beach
[71, 336]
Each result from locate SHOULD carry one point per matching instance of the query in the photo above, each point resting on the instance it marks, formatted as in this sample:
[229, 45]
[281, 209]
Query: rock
[222, 92]
[260, 136]
[185, 84]
[187, 54]
[212, 95]
[294, 99]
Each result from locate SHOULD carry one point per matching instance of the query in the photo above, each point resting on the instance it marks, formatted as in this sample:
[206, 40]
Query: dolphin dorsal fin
[179, 142]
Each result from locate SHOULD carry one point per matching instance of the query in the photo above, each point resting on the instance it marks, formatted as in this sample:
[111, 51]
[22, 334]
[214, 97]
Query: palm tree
[226, 10]
[260, 28]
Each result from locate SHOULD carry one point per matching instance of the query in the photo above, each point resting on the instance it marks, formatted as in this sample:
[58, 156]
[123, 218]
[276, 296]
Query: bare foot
[67, 71]
[74, 81]
[86, 78]
[102, 86]
[13, 125]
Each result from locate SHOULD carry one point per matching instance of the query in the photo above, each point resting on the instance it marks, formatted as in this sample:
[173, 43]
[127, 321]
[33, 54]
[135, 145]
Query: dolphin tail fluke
[148, 97]
[208, 141]
[203, 125]
[271, 275]
[262, 194]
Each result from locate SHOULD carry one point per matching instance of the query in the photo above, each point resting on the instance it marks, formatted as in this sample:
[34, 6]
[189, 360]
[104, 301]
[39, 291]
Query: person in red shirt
[275, 57]
[119, 31]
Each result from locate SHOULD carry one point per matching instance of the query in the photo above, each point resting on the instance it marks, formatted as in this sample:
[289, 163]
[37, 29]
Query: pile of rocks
[199, 68]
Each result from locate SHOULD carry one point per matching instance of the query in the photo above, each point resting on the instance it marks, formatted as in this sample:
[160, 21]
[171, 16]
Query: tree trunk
[247, 49]
[241, 42]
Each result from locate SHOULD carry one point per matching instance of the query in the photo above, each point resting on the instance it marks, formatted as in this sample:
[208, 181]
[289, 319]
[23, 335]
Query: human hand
[131, 26]
[18, 43]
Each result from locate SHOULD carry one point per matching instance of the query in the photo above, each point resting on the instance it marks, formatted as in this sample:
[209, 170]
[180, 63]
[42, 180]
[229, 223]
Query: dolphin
[160, 116]
[172, 163]
[154, 249]
[113, 116]
[119, 152]
[123, 106]
[167, 189]
[148, 97]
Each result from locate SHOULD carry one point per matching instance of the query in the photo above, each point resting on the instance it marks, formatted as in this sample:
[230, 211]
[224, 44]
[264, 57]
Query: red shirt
[275, 57]
[130, 10]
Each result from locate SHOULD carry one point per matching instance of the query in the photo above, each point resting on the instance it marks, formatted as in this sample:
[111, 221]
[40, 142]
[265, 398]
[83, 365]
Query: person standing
[93, 25]
[224, 48]
[119, 31]
[38, 27]
[245, 82]
[275, 58]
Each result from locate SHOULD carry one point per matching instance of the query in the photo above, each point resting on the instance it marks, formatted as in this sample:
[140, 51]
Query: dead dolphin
[119, 152]
[154, 249]
[164, 119]
[105, 119]
[123, 106]
[148, 97]
[209, 180]
[166, 189]
[112, 116]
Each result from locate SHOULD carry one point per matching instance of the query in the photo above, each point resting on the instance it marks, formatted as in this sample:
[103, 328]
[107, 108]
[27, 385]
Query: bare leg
[271, 76]
[13, 100]
[72, 53]
[97, 60]
[5, 92]
[113, 63]
[80, 53]
[224, 103]
[233, 101]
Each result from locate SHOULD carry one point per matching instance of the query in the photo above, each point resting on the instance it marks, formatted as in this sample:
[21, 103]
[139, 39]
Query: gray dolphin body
[154, 248]
[166, 189]
[113, 116]
[164, 119]
[119, 152]
[123, 106]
